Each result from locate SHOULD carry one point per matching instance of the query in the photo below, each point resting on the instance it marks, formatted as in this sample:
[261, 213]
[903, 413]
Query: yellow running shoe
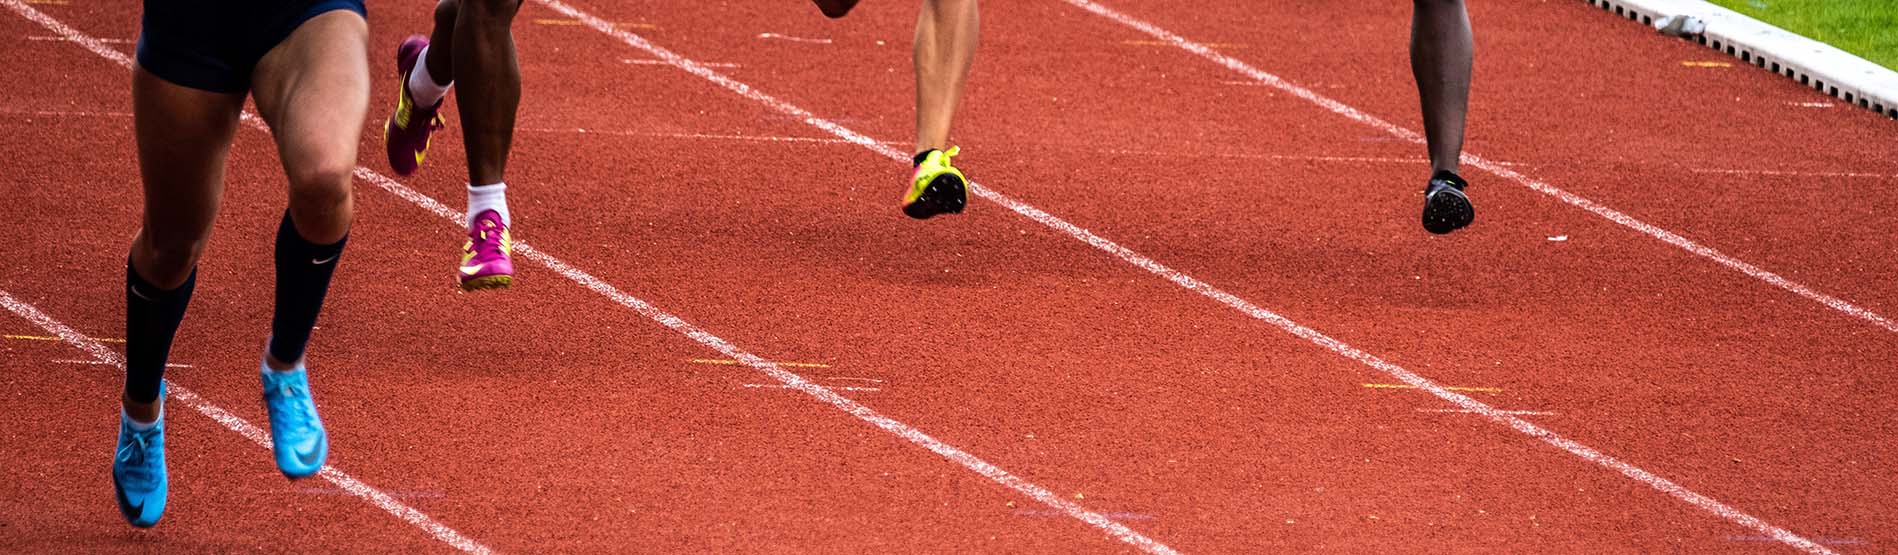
[937, 187]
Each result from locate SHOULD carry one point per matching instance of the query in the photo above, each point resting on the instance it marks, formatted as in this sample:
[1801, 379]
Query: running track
[1119, 411]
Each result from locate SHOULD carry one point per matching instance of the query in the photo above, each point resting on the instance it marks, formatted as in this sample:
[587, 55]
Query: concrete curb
[1814, 64]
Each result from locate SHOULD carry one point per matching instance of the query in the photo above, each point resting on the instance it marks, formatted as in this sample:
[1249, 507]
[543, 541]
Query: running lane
[542, 419]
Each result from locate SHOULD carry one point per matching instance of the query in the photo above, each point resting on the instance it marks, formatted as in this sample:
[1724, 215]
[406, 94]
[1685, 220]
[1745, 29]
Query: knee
[320, 201]
[1437, 4]
[166, 260]
[491, 12]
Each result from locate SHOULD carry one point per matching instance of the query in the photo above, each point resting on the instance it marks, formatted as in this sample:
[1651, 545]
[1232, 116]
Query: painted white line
[108, 41]
[1188, 282]
[695, 136]
[107, 363]
[65, 114]
[1796, 173]
[638, 62]
[832, 387]
[178, 394]
[793, 380]
[792, 39]
[1508, 412]
[1485, 164]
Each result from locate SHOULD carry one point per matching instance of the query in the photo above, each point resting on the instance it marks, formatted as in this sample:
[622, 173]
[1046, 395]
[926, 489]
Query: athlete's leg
[490, 77]
[945, 49]
[183, 135]
[313, 90]
[1441, 53]
[482, 59]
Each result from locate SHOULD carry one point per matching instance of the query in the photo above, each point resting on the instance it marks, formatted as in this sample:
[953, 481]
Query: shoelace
[483, 244]
[135, 454]
[299, 414]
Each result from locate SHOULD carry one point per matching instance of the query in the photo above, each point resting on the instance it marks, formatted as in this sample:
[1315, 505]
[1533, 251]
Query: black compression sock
[303, 279]
[151, 321]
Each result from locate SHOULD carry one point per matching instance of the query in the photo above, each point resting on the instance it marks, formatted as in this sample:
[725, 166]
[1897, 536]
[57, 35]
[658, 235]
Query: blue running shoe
[138, 472]
[296, 435]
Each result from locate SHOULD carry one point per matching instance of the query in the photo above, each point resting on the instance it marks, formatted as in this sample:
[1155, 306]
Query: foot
[1446, 208]
[138, 473]
[296, 434]
[937, 187]
[485, 260]
[835, 8]
[407, 131]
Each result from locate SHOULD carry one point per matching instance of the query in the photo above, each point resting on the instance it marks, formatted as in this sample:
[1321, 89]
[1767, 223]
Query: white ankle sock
[488, 197]
[135, 425]
[422, 86]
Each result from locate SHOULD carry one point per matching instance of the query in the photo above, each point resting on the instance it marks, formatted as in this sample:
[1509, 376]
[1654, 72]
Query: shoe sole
[487, 282]
[945, 194]
[1447, 210]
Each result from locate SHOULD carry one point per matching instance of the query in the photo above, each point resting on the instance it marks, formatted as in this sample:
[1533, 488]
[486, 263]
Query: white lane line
[769, 36]
[1508, 412]
[1493, 167]
[107, 363]
[639, 62]
[695, 136]
[1188, 282]
[832, 387]
[1795, 173]
[178, 394]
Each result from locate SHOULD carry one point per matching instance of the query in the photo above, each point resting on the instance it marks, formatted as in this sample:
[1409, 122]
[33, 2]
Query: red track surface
[582, 425]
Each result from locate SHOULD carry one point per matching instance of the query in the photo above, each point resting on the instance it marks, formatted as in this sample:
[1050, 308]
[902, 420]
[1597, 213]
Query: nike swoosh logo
[311, 458]
[134, 510]
[332, 258]
[135, 292]
[472, 270]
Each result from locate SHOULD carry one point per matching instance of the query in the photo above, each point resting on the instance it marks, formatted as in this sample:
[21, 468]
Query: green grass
[1866, 28]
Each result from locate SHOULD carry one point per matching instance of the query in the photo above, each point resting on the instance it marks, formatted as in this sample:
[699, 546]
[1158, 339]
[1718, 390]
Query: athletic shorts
[213, 45]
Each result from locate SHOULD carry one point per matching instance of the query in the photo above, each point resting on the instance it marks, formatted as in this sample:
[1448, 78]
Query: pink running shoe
[407, 131]
[485, 262]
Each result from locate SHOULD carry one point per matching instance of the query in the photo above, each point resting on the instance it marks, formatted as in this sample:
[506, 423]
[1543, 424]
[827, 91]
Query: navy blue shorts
[213, 45]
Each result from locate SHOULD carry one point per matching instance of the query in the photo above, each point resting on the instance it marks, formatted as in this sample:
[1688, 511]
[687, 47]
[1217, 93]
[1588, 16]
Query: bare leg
[313, 90]
[1441, 53]
[484, 65]
[183, 136]
[945, 49]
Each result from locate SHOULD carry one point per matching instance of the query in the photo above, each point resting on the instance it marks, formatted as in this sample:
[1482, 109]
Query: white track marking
[637, 62]
[790, 379]
[792, 39]
[1188, 282]
[109, 363]
[693, 136]
[1508, 412]
[832, 387]
[183, 395]
[1795, 173]
[1485, 164]
[180, 394]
